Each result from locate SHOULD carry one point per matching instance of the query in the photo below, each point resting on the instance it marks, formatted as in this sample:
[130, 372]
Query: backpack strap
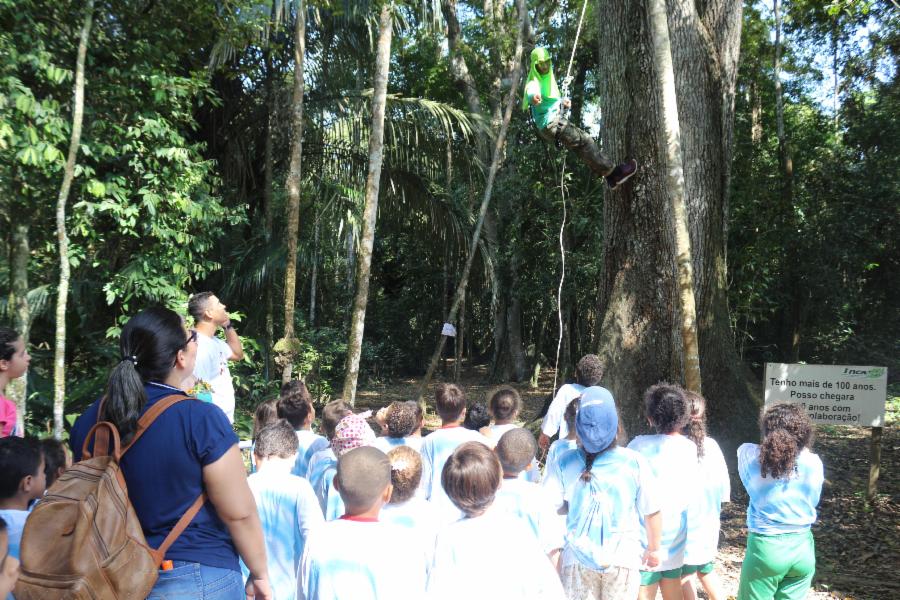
[144, 422]
[102, 433]
[160, 553]
[152, 413]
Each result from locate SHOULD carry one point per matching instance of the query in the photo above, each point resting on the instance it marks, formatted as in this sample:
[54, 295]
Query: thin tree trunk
[314, 276]
[488, 189]
[21, 311]
[268, 194]
[756, 129]
[460, 339]
[370, 212]
[59, 358]
[784, 155]
[287, 346]
[662, 57]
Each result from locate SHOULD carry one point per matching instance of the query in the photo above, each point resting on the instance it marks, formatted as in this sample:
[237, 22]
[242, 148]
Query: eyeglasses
[192, 337]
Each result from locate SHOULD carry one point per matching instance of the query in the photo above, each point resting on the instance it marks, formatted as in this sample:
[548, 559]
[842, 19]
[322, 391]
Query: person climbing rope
[542, 97]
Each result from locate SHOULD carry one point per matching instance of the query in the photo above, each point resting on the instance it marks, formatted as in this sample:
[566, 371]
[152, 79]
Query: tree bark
[287, 346]
[370, 212]
[268, 187]
[59, 357]
[662, 58]
[515, 75]
[21, 311]
[639, 330]
[314, 276]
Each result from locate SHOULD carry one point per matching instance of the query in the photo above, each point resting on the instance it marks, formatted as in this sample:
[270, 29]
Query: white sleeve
[309, 513]
[720, 470]
[553, 483]
[554, 416]
[648, 497]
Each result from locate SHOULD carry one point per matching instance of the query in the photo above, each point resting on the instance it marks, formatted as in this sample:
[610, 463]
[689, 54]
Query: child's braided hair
[695, 430]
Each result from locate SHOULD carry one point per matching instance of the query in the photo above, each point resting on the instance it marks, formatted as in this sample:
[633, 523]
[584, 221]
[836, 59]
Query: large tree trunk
[662, 57]
[59, 357]
[639, 333]
[21, 311]
[287, 346]
[370, 212]
[496, 159]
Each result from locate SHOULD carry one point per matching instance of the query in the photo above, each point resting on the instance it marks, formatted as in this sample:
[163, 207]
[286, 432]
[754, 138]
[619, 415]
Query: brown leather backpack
[83, 540]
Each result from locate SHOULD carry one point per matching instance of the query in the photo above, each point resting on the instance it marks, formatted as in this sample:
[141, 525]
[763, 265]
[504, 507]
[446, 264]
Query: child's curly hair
[695, 430]
[666, 407]
[786, 431]
[403, 418]
[406, 473]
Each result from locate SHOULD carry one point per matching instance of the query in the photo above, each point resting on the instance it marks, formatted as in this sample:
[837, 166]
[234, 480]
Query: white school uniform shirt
[557, 449]
[534, 508]
[554, 420]
[419, 516]
[436, 449]
[288, 511]
[309, 444]
[354, 560]
[387, 443]
[322, 469]
[704, 517]
[673, 459]
[604, 521]
[496, 432]
[213, 355]
[781, 505]
[491, 557]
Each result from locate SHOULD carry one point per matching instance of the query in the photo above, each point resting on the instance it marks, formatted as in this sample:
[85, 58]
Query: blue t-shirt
[164, 474]
[308, 444]
[781, 505]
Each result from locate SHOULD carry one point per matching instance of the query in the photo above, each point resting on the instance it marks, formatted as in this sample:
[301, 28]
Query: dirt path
[857, 546]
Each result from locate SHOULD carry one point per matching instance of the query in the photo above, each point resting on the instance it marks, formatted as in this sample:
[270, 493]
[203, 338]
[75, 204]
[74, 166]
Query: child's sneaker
[621, 174]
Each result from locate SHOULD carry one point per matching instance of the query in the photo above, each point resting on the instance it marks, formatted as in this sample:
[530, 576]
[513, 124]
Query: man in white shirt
[213, 353]
[588, 373]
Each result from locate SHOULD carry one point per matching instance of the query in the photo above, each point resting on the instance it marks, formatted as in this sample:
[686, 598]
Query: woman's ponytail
[695, 430]
[149, 344]
[125, 399]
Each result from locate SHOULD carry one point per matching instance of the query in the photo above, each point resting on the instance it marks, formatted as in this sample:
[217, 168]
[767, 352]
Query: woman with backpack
[190, 449]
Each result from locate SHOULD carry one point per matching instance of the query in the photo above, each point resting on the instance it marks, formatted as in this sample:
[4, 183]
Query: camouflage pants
[580, 143]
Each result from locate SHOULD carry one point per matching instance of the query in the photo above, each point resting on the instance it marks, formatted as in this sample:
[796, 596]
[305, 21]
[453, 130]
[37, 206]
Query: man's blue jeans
[193, 581]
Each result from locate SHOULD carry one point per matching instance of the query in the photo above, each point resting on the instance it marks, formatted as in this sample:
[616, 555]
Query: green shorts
[702, 569]
[651, 577]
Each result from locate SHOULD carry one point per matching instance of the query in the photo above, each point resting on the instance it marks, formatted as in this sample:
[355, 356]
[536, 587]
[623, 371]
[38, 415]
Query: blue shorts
[193, 581]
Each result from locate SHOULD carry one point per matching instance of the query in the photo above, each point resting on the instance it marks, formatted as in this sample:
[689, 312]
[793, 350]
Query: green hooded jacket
[545, 85]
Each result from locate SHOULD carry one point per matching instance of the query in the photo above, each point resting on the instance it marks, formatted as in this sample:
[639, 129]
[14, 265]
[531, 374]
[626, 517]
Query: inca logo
[873, 373]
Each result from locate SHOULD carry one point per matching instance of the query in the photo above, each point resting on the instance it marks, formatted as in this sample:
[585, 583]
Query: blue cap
[597, 422]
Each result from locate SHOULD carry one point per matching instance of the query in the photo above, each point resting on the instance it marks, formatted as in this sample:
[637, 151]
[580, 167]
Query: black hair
[19, 458]
[589, 370]
[590, 457]
[786, 431]
[471, 477]
[149, 343]
[332, 414]
[505, 403]
[277, 439]
[197, 304]
[7, 338]
[666, 407]
[54, 458]
[403, 418]
[477, 416]
[571, 414]
[295, 403]
[516, 449]
[265, 414]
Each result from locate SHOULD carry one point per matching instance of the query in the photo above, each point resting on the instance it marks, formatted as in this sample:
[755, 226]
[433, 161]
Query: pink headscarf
[352, 432]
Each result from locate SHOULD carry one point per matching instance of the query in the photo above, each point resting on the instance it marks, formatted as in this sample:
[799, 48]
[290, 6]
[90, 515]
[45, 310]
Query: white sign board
[831, 394]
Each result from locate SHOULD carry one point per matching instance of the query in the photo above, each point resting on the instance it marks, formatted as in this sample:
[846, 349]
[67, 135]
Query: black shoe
[621, 174]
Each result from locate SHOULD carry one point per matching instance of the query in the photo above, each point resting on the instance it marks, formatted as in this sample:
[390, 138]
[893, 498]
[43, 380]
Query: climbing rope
[567, 80]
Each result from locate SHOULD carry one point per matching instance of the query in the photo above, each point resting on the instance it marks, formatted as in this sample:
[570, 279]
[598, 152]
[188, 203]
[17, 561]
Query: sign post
[835, 395]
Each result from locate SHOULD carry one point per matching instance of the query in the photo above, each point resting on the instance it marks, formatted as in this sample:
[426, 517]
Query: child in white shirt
[504, 405]
[673, 459]
[562, 445]
[610, 499]
[526, 500]
[325, 459]
[406, 508]
[295, 405]
[588, 373]
[22, 480]
[450, 403]
[357, 557]
[352, 432]
[287, 506]
[472, 555]
[704, 519]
